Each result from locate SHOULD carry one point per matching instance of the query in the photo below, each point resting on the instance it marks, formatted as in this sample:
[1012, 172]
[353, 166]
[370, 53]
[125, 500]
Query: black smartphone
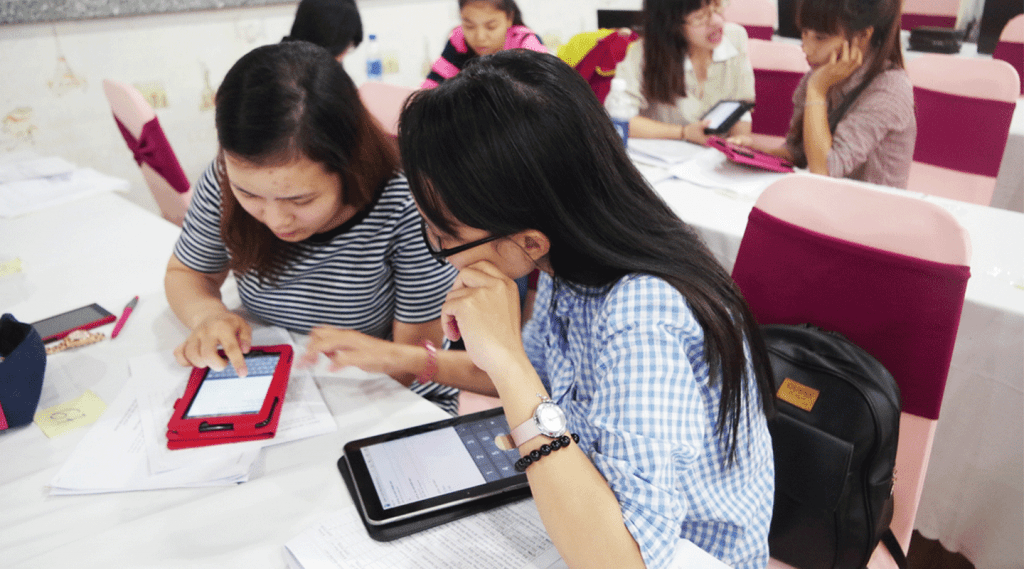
[724, 115]
[84, 318]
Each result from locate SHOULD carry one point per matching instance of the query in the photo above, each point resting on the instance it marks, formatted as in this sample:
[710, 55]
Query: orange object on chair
[595, 54]
[889, 272]
[142, 133]
[1010, 47]
[964, 109]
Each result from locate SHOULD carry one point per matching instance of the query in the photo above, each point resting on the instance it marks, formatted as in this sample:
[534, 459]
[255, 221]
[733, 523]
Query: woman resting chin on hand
[638, 335]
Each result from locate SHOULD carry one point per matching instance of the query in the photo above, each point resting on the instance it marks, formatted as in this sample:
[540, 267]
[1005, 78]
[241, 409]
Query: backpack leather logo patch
[797, 394]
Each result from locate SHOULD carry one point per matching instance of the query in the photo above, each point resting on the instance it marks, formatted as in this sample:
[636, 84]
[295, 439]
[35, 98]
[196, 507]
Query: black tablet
[416, 478]
[724, 115]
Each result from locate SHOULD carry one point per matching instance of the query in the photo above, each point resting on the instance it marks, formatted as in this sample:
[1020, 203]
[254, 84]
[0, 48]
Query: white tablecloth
[104, 249]
[973, 499]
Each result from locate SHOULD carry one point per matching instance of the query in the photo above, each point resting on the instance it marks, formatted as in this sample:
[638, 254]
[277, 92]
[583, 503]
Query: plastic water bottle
[621, 108]
[374, 66]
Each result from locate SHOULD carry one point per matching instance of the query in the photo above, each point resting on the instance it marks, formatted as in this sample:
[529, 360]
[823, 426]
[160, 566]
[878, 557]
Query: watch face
[550, 419]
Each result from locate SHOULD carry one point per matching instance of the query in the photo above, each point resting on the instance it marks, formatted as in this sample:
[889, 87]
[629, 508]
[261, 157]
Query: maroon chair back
[903, 310]
[773, 96]
[962, 133]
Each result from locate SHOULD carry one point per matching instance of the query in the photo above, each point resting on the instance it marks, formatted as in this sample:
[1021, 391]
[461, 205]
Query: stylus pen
[124, 317]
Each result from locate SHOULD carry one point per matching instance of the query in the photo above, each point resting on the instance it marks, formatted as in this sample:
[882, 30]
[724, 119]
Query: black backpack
[834, 437]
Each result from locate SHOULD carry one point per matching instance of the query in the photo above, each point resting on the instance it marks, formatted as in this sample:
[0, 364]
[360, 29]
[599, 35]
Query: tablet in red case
[749, 156]
[219, 407]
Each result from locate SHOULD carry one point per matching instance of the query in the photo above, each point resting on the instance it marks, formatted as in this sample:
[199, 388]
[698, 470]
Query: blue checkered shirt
[627, 367]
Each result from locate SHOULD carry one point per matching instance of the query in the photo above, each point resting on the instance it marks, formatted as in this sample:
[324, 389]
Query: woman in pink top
[488, 26]
[853, 113]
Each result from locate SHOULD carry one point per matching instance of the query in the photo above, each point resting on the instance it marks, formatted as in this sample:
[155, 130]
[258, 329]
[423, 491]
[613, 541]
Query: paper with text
[509, 537]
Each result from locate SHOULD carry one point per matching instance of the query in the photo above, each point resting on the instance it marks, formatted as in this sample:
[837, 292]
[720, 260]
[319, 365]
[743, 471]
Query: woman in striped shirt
[488, 26]
[305, 206]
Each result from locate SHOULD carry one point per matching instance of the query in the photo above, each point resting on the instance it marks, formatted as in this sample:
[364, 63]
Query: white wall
[51, 96]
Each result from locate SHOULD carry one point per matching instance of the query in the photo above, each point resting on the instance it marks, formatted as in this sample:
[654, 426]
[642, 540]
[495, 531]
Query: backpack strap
[894, 548]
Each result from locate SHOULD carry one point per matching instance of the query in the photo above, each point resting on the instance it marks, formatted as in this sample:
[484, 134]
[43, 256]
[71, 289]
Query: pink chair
[940, 13]
[964, 109]
[1010, 47]
[141, 130]
[384, 101]
[759, 17]
[886, 270]
[778, 68]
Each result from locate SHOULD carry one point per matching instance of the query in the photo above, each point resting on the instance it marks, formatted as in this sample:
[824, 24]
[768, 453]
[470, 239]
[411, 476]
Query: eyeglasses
[702, 17]
[441, 255]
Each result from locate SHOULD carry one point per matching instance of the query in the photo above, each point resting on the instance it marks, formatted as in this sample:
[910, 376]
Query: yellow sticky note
[65, 417]
[10, 267]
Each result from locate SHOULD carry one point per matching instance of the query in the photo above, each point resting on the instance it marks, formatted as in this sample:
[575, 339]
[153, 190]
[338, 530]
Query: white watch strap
[525, 432]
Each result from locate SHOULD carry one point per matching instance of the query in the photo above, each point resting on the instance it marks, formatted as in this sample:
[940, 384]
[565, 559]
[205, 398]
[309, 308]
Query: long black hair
[517, 140]
[282, 102]
[848, 17]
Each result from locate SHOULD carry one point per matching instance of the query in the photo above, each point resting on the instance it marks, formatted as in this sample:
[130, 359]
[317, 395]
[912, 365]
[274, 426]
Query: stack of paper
[710, 168]
[661, 153]
[509, 537]
[126, 449]
[29, 183]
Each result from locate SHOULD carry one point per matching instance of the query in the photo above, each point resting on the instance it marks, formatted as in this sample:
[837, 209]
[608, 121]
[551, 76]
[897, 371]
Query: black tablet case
[410, 526]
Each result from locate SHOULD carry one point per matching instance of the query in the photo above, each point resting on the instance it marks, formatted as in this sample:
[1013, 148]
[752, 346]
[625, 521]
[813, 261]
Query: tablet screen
[223, 393]
[721, 112]
[437, 462]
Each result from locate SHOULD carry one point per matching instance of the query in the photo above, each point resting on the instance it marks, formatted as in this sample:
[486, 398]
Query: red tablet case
[749, 156]
[204, 431]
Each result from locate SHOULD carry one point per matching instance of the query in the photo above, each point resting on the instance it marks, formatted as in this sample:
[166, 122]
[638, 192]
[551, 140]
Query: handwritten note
[69, 416]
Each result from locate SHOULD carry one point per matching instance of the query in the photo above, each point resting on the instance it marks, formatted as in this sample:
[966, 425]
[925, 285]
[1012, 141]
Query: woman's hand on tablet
[223, 330]
[694, 132]
[741, 140]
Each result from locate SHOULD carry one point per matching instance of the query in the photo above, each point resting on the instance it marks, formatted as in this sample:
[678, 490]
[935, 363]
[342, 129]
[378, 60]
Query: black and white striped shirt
[365, 274]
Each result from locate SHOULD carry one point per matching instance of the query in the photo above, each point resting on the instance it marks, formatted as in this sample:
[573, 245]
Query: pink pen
[124, 317]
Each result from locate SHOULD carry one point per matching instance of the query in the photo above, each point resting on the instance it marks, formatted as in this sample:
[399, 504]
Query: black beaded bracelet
[544, 450]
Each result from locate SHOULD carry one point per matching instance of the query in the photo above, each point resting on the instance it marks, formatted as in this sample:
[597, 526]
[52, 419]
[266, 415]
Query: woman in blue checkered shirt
[638, 334]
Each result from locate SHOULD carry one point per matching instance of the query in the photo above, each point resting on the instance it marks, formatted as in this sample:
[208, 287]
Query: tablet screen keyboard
[478, 437]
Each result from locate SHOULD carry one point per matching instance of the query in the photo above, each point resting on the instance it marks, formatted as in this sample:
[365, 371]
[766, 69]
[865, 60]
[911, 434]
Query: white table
[104, 249]
[973, 499]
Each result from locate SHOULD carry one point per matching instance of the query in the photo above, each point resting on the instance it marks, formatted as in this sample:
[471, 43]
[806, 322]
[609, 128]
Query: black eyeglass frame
[441, 255]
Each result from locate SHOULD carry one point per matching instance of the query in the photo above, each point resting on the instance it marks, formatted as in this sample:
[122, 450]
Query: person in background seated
[638, 335]
[853, 112]
[689, 58]
[331, 24]
[305, 205]
[488, 26]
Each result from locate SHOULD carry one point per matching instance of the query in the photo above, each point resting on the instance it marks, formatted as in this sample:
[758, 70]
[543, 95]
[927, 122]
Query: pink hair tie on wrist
[429, 372]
